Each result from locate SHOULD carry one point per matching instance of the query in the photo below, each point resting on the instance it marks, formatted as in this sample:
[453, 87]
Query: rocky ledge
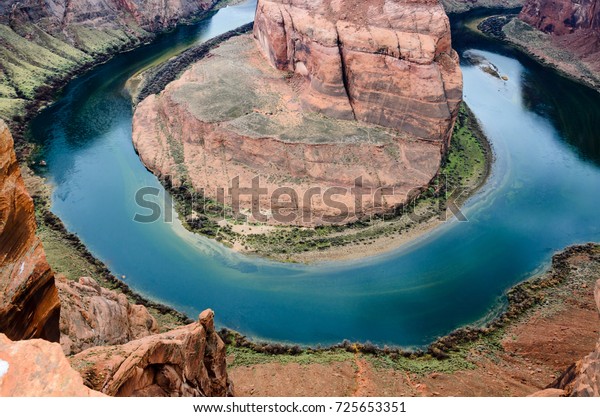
[188, 361]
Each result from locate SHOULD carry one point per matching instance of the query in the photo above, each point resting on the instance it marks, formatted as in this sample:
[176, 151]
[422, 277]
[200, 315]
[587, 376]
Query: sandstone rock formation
[388, 63]
[461, 6]
[188, 361]
[55, 16]
[233, 116]
[29, 305]
[348, 91]
[95, 316]
[37, 368]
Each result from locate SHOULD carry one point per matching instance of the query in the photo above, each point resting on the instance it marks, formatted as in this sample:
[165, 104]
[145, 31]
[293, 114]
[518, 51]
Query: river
[541, 197]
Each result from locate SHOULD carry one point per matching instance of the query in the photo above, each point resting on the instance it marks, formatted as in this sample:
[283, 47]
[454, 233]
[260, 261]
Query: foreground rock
[188, 361]
[388, 63]
[95, 316]
[37, 368]
[29, 305]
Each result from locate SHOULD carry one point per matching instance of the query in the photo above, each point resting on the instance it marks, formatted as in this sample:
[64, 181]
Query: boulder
[37, 368]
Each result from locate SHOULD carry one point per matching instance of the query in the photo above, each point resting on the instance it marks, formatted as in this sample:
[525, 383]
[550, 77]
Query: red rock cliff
[561, 17]
[386, 62]
[29, 305]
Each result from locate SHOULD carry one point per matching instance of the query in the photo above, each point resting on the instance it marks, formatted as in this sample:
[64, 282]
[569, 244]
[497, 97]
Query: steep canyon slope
[43, 42]
[29, 304]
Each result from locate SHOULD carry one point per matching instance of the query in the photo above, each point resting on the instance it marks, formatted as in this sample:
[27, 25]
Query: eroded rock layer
[388, 62]
[561, 17]
[188, 361]
[44, 42]
[29, 304]
[58, 15]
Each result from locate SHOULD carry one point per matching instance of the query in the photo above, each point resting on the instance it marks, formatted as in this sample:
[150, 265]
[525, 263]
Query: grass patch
[248, 357]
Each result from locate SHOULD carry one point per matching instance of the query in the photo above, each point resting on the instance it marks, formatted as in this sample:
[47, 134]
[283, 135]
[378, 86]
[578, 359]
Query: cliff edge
[29, 304]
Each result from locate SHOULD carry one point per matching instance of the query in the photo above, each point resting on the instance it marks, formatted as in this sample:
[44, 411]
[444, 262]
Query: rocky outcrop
[29, 305]
[350, 99]
[388, 63]
[582, 379]
[188, 361]
[461, 6]
[95, 316]
[37, 368]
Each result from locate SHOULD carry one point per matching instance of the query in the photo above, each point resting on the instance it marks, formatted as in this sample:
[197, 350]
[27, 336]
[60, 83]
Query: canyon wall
[461, 6]
[388, 63]
[60, 16]
[561, 17]
[44, 42]
[29, 304]
[568, 37]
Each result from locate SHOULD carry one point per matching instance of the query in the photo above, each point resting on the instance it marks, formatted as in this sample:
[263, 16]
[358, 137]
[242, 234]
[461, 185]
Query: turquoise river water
[543, 195]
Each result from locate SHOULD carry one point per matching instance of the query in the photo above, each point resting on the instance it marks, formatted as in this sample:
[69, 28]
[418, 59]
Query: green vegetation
[468, 158]
[249, 357]
[34, 62]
